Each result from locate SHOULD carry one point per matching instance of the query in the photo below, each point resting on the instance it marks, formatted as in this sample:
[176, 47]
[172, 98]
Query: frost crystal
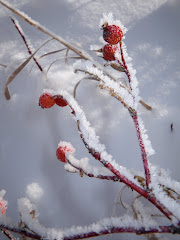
[109, 18]
[34, 191]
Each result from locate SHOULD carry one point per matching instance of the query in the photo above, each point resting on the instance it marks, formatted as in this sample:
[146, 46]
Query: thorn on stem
[172, 127]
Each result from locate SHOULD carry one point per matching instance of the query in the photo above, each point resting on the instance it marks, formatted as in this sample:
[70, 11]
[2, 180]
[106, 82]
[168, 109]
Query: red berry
[109, 51]
[112, 34]
[3, 207]
[62, 149]
[60, 101]
[46, 100]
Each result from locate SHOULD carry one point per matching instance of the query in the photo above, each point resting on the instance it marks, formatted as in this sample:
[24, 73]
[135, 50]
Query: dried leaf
[2, 65]
[117, 67]
[18, 70]
[85, 78]
[121, 201]
[53, 52]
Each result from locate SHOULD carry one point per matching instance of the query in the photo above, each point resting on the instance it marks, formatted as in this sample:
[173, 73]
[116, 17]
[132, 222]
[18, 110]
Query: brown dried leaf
[121, 201]
[85, 78]
[53, 52]
[17, 71]
[2, 65]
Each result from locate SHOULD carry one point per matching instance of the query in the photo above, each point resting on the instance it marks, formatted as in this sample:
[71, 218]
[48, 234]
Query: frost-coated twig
[83, 168]
[97, 229]
[98, 151]
[136, 122]
[16, 24]
[143, 152]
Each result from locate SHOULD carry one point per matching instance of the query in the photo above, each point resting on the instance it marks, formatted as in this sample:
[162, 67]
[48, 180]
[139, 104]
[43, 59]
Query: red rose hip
[46, 100]
[60, 101]
[112, 34]
[63, 148]
[109, 51]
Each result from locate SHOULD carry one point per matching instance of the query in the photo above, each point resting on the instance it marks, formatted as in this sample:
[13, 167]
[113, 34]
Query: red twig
[100, 176]
[111, 230]
[146, 194]
[125, 65]
[136, 122]
[25, 41]
[143, 151]
[8, 234]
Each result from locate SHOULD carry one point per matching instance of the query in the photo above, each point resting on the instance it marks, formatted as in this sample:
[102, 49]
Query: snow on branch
[82, 167]
[157, 187]
[91, 140]
[105, 81]
[124, 224]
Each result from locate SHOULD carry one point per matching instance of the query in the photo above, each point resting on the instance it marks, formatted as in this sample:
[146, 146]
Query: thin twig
[16, 23]
[136, 122]
[90, 174]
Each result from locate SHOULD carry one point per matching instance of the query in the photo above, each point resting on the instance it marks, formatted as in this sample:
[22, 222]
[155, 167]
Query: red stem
[143, 152]
[111, 230]
[8, 234]
[103, 177]
[125, 65]
[139, 135]
[24, 39]
[146, 194]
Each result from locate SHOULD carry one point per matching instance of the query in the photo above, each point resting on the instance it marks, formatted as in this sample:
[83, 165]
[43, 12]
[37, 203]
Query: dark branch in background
[8, 234]
[25, 41]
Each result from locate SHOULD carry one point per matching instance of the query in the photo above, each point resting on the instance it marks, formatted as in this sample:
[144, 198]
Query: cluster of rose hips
[46, 100]
[112, 34]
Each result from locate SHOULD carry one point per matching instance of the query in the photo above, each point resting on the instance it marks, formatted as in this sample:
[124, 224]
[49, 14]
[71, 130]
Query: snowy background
[29, 135]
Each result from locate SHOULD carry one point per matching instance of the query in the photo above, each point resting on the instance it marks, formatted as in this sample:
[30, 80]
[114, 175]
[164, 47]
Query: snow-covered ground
[29, 135]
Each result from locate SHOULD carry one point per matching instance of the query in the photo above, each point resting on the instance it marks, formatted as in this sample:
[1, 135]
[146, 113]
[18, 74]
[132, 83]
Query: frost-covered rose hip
[63, 148]
[46, 100]
[109, 51]
[60, 101]
[112, 33]
[2, 206]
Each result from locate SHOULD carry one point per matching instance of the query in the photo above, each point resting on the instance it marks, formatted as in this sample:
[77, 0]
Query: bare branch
[16, 24]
